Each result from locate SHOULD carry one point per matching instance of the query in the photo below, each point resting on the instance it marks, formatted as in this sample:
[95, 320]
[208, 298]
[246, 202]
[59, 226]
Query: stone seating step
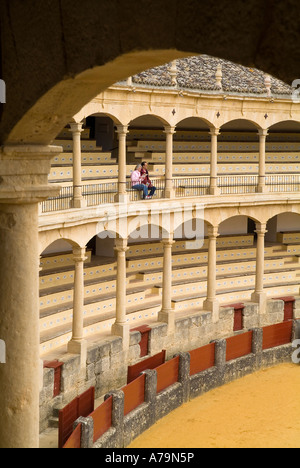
[230, 282]
[53, 310]
[64, 332]
[204, 157]
[86, 145]
[233, 295]
[56, 262]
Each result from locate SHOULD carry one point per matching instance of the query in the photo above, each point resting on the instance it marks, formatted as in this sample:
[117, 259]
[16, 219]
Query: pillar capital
[76, 127]
[24, 173]
[261, 229]
[121, 245]
[79, 254]
[263, 132]
[213, 232]
[169, 130]
[122, 129]
[215, 131]
[168, 242]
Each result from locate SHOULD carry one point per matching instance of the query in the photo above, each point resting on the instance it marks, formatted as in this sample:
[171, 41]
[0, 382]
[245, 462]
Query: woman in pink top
[136, 181]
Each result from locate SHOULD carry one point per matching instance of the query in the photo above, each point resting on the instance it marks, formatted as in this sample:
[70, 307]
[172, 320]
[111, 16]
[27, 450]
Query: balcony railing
[278, 183]
[231, 185]
[62, 202]
[100, 194]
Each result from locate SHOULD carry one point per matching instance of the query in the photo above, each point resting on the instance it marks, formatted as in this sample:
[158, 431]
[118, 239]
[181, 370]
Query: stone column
[214, 189]
[211, 303]
[167, 313]
[78, 200]
[78, 345]
[23, 185]
[259, 296]
[169, 188]
[122, 195]
[262, 161]
[121, 327]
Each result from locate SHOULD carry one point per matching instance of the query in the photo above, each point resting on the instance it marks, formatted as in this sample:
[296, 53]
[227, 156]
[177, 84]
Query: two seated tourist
[140, 181]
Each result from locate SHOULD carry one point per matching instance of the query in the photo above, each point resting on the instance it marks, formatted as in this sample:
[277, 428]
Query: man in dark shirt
[146, 180]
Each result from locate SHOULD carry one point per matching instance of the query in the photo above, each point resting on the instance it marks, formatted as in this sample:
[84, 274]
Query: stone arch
[283, 221]
[278, 121]
[248, 212]
[248, 122]
[192, 225]
[153, 115]
[94, 109]
[50, 103]
[207, 123]
[57, 245]
[240, 224]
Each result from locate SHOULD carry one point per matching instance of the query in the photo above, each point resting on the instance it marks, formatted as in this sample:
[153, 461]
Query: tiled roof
[199, 73]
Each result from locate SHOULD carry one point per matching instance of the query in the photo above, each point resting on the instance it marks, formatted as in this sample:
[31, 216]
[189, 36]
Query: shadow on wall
[79, 54]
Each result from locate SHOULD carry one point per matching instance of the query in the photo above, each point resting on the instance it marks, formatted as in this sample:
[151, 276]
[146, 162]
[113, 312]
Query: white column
[262, 161]
[169, 187]
[78, 345]
[78, 200]
[211, 303]
[121, 326]
[214, 189]
[259, 296]
[167, 313]
[122, 166]
[24, 183]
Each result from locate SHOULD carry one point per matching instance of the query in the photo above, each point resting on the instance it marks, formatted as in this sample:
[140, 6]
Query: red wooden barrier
[86, 403]
[239, 345]
[150, 363]
[167, 374]
[277, 335]
[80, 406]
[57, 366]
[102, 417]
[202, 359]
[144, 343]
[288, 307]
[74, 440]
[134, 394]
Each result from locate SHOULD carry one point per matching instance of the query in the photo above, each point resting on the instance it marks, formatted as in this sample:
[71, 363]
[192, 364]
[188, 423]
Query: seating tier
[222, 157]
[86, 158]
[86, 145]
[288, 237]
[191, 135]
[160, 146]
[63, 260]
[236, 265]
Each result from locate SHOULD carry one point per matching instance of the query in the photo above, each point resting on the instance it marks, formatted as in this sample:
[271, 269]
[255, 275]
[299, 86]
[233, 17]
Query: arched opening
[50, 104]
[193, 129]
[238, 225]
[146, 143]
[283, 145]
[59, 246]
[284, 228]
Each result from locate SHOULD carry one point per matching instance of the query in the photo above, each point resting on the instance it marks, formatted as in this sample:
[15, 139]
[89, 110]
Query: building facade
[213, 253]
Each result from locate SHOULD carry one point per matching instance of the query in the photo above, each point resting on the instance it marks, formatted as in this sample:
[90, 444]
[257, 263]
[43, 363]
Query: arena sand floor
[261, 410]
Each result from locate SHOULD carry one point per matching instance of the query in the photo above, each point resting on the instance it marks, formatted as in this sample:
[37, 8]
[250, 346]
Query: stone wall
[156, 406]
[107, 362]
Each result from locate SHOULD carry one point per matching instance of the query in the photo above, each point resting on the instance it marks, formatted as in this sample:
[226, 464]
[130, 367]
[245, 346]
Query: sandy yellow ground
[260, 410]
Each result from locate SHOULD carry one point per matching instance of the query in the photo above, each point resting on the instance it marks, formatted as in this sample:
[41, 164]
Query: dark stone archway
[46, 45]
